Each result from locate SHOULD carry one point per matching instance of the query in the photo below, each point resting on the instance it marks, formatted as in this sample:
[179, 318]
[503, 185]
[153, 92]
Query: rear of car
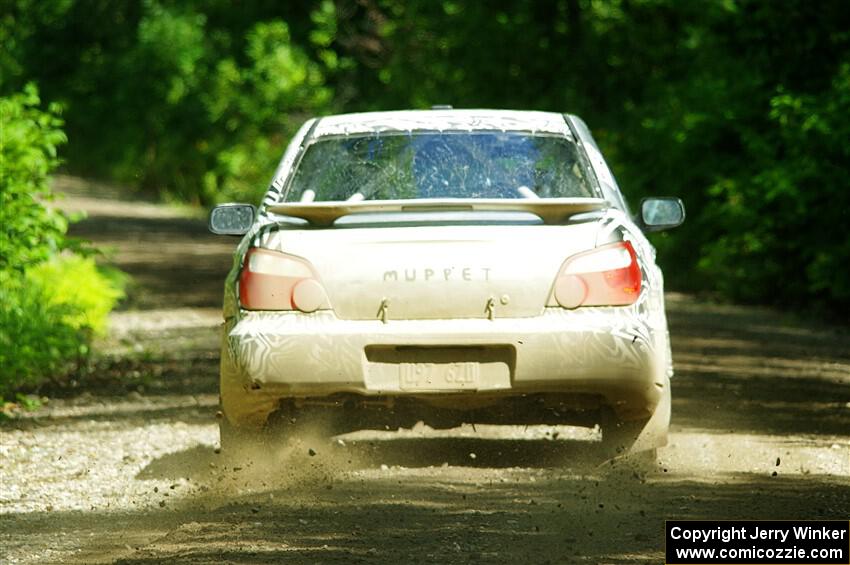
[445, 266]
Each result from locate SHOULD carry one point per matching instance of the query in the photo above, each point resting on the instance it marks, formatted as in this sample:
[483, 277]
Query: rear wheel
[232, 441]
[619, 436]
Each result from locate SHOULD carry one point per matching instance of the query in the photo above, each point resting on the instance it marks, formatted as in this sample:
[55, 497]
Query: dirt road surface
[121, 467]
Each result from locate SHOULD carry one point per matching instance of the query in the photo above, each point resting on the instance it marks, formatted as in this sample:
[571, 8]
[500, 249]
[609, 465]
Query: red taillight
[606, 276]
[276, 281]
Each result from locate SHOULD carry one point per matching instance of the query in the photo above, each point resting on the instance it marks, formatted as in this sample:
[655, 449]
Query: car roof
[442, 120]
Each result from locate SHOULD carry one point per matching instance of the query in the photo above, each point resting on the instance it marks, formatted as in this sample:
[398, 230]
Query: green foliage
[258, 106]
[785, 219]
[184, 98]
[734, 105]
[31, 232]
[52, 303]
[28, 402]
[35, 341]
[80, 289]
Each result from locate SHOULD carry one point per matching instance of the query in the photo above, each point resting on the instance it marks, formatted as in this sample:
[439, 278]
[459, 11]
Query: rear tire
[236, 442]
[619, 436]
[618, 439]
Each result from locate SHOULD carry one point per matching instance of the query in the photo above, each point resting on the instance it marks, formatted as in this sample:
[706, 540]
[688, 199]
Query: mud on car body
[447, 266]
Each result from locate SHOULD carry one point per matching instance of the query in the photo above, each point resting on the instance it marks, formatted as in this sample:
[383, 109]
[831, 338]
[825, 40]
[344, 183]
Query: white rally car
[447, 266]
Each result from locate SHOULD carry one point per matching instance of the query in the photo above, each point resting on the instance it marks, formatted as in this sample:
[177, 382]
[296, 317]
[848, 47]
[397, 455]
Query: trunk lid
[437, 272]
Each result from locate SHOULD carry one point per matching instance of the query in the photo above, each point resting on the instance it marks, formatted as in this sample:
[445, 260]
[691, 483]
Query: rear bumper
[609, 352]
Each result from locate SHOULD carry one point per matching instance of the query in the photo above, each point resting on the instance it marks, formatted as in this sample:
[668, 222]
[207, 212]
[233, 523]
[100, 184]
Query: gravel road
[121, 466]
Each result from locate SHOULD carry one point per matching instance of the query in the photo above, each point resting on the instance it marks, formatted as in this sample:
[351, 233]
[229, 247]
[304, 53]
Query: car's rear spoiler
[550, 210]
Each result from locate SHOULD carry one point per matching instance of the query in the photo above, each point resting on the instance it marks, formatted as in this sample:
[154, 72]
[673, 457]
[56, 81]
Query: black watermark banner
[758, 542]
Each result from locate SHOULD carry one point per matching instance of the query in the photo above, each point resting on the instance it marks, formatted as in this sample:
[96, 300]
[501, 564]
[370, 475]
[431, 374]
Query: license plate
[439, 376]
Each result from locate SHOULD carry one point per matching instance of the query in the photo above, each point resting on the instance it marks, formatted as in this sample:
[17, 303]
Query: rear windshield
[486, 164]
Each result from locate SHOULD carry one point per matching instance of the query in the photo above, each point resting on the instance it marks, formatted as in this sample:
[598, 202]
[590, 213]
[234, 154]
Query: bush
[256, 107]
[53, 302]
[35, 340]
[29, 138]
[84, 293]
[191, 100]
[785, 223]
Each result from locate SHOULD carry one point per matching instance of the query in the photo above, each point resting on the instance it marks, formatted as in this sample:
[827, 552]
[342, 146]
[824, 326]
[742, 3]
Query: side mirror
[662, 213]
[232, 219]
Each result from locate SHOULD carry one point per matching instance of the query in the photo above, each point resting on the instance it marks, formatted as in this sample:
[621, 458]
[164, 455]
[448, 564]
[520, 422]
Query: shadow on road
[571, 519]
[772, 406]
[755, 370]
[448, 515]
